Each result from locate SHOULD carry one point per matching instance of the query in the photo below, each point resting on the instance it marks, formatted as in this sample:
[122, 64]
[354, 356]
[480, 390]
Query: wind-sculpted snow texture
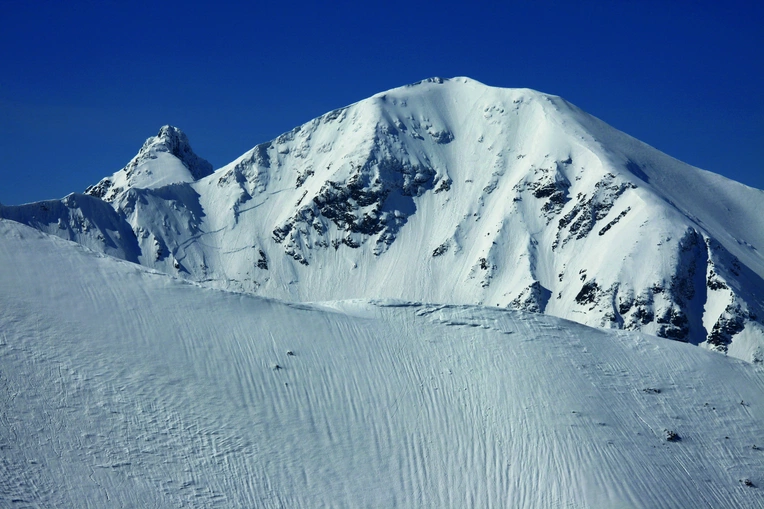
[454, 192]
[125, 387]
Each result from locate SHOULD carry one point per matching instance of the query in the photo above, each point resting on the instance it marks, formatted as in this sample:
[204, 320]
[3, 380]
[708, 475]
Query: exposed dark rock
[614, 222]
[533, 298]
[296, 255]
[714, 282]
[644, 314]
[588, 293]
[581, 219]
[443, 136]
[730, 323]
[302, 177]
[160, 249]
[491, 187]
[350, 242]
[262, 261]
[359, 205]
[609, 318]
[483, 269]
[639, 311]
[555, 203]
[673, 324]
[99, 190]
[441, 249]
[544, 188]
[280, 232]
[443, 185]
[681, 286]
[342, 204]
[625, 306]
[548, 184]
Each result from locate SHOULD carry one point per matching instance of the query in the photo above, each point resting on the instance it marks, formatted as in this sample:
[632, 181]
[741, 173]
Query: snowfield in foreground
[123, 387]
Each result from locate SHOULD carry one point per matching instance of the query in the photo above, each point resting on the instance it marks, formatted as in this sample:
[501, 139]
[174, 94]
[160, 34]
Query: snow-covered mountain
[89, 219]
[448, 191]
[164, 159]
[125, 387]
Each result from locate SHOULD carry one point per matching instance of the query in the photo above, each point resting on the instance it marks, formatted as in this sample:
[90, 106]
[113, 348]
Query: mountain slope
[123, 386]
[454, 192]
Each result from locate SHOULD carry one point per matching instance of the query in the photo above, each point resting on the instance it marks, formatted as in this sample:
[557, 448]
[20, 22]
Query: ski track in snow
[126, 388]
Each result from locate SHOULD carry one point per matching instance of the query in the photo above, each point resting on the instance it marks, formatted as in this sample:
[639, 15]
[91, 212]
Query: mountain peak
[455, 192]
[175, 141]
[164, 159]
[460, 85]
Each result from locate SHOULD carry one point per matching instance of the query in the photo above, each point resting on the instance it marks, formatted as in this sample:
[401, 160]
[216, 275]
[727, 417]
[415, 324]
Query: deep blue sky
[84, 83]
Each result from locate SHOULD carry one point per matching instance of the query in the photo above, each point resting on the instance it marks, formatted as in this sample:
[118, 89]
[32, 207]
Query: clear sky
[84, 83]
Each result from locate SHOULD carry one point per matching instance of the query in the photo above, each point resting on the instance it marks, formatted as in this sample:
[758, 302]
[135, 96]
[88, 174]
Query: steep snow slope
[454, 192]
[126, 387]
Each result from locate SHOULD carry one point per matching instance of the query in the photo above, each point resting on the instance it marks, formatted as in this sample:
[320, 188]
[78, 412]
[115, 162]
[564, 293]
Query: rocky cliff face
[449, 191]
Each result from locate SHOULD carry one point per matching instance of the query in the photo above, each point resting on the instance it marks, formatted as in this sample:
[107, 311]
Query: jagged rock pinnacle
[164, 159]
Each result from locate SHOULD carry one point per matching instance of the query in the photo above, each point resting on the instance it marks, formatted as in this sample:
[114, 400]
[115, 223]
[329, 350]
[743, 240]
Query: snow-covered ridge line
[451, 191]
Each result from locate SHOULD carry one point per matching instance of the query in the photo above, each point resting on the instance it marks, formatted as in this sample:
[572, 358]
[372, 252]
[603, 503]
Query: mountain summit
[164, 159]
[453, 192]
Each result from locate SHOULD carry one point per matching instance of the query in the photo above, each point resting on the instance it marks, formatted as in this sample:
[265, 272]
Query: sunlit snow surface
[446, 191]
[123, 387]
